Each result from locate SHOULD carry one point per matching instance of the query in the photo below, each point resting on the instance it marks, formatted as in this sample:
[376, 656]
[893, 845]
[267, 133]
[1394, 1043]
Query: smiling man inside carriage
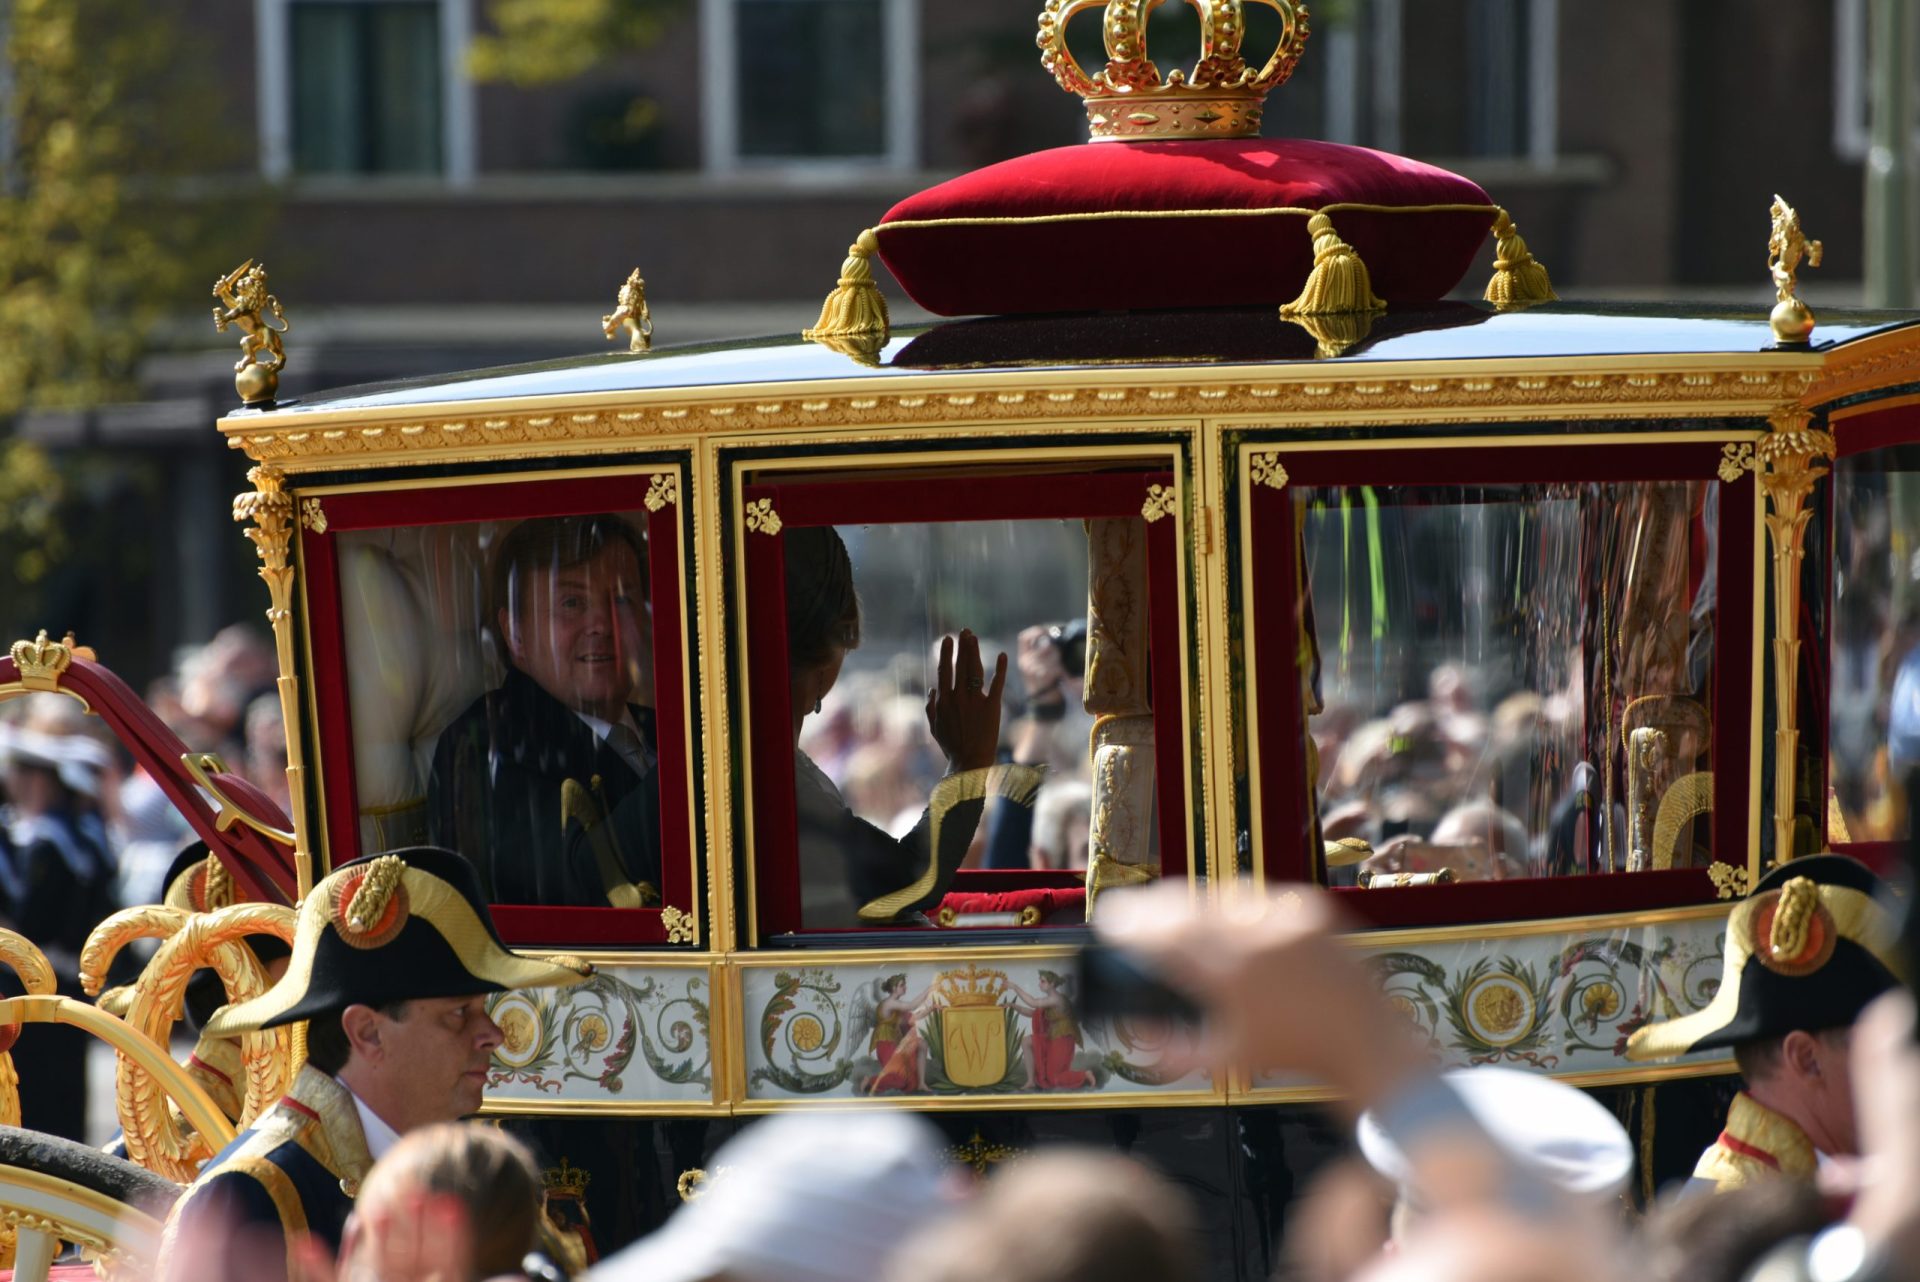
[549, 783]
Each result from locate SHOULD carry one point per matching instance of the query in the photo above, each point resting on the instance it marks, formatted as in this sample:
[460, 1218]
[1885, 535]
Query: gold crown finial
[566, 1179]
[1129, 100]
[41, 661]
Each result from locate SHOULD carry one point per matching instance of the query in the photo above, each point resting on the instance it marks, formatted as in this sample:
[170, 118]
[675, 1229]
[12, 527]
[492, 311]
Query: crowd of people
[364, 1172]
[85, 830]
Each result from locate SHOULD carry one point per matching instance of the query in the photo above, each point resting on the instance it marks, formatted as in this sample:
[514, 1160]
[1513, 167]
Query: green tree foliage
[538, 42]
[105, 118]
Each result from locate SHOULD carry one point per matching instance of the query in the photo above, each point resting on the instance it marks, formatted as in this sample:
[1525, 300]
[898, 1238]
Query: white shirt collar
[380, 1136]
[600, 728]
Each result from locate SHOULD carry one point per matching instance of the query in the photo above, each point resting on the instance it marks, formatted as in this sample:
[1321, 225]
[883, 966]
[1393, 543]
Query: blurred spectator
[475, 1185]
[1062, 825]
[1688, 1238]
[266, 767]
[56, 882]
[800, 1197]
[1107, 1219]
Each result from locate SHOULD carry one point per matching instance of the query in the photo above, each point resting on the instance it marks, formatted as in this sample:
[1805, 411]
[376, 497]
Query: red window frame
[926, 499]
[507, 501]
[1280, 715]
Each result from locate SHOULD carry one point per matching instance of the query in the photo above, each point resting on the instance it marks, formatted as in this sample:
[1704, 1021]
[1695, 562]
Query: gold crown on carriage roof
[1129, 100]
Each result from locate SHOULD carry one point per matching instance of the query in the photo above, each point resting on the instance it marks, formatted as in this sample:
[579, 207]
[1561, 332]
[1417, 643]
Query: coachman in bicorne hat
[393, 958]
[1813, 945]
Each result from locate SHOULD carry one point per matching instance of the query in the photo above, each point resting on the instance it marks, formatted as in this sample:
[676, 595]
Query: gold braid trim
[218, 891]
[1788, 937]
[286, 1204]
[1017, 784]
[375, 891]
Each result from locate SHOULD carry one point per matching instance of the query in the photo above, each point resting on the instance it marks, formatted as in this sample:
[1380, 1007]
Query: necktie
[624, 741]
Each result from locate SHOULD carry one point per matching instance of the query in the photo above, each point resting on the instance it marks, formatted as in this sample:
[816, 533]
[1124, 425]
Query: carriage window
[502, 693]
[1874, 716]
[915, 786]
[877, 616]
[1508, 681]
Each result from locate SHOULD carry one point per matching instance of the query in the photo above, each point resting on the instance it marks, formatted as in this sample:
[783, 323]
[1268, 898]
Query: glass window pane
[868, 607]
[1513, 680]
[1874, 716]
[366, 86]
[812, 78]
[500, 679]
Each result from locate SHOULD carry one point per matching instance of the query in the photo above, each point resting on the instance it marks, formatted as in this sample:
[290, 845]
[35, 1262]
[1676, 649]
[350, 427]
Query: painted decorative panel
[1563, 1002]
[629, 1035]
[944, 1029]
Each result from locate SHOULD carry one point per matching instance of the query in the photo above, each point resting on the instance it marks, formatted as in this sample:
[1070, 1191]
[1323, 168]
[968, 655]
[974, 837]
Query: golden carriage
[1537, 630]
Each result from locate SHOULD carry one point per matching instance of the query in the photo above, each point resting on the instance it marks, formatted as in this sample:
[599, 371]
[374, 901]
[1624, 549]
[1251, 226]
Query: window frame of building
[1852, 88]
[1373, 115]
[458, 108]
[720, 98]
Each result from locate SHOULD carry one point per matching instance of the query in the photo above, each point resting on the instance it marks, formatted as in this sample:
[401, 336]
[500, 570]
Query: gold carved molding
[1160, 502]
[663, 490]
[1422, 395]
[271, 510]
[1786, 460]
[761, 518]
[313, 516]
[1729, 880]
[679, 925]
[1735, 459]
[1266, 469]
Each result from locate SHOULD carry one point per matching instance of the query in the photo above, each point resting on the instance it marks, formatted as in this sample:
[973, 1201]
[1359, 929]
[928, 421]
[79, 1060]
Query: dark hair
[327, 1044]
[1761, 1057]
[554, 543]
[823, 611]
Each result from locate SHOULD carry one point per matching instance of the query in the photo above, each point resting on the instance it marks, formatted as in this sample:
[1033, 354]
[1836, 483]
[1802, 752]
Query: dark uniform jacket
[295, 1171]
[547, 812]
[1757, 1144]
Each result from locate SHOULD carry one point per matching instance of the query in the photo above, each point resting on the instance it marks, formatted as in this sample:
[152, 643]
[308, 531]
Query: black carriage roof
[1453, 331]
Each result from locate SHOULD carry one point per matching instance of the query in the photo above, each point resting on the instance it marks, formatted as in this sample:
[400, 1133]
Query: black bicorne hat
[1808, 950]
[400, 926]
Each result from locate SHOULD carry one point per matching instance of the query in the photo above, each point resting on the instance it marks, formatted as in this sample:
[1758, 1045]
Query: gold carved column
[270, 508]
[1121, 837]
[1785, 460]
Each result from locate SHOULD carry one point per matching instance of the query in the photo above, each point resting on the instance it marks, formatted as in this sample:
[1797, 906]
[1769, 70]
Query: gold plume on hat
[1787, 938]
[375, 891]
[1128, 99]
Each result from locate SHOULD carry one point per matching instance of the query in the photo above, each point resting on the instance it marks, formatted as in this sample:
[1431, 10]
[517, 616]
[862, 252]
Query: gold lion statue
[1791, 320]
[249, 308]
[630, 313]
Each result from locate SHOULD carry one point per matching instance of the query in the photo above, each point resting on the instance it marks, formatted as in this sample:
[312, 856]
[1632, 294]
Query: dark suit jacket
[495, 797]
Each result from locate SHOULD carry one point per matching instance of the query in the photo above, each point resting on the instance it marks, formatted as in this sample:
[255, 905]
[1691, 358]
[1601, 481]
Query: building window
[1390, 74]
[370, 87]
[810, 83]
[1852, 91]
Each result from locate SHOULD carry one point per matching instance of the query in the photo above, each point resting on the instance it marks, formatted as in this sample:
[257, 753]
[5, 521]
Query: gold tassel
[1339, 284]
[1519, 279]
[856, 308]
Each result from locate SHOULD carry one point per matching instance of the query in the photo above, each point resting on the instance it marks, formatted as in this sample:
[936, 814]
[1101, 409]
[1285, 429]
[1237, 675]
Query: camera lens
[1070, 640]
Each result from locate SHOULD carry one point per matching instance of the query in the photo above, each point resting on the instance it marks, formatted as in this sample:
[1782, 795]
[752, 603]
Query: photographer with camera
[1052, 659]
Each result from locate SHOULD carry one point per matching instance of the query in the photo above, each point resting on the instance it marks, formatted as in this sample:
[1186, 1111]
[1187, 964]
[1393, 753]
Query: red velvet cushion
[1038, 262]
